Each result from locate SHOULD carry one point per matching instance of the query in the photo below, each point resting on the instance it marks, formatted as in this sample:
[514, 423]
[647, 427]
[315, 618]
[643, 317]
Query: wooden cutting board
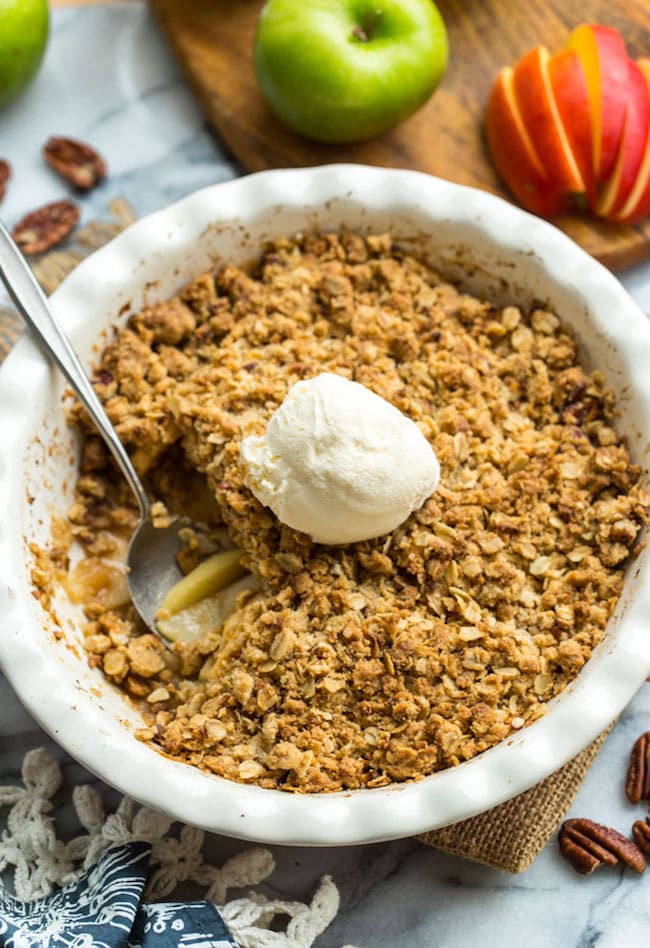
[212, 40]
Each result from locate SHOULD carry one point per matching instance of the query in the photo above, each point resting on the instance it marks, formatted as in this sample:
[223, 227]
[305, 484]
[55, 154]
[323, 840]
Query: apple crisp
[389, 659]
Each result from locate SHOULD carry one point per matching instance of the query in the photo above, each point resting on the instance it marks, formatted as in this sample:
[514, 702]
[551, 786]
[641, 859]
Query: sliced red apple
[632, 147]
[569, 87]
[513, 154]
[637, 203]
[541, 117]
[605, 62]
[573, 130]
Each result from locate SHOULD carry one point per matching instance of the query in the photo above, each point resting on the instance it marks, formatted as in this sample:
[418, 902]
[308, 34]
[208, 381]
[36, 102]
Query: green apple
[23, 38]
[345, 70]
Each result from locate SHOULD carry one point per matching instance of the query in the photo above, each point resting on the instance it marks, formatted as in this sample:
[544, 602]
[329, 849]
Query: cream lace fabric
[41, 861]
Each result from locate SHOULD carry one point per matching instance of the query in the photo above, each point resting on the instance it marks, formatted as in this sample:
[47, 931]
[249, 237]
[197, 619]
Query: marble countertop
[109, 79]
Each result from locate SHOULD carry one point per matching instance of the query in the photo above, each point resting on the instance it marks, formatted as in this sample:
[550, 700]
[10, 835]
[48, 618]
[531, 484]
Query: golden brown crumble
[389, 659]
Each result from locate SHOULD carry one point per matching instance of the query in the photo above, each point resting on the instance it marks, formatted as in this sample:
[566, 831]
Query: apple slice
[637, 203]
[513, 153]
[569, 87]
[204, 580]
[605, 62]
[633, 145]
[541, 117]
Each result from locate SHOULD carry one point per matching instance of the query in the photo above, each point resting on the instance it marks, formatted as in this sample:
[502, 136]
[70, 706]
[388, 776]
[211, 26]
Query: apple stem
[363, 31]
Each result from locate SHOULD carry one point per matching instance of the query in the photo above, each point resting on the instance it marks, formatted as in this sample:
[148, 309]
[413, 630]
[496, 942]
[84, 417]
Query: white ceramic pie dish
[497, 250]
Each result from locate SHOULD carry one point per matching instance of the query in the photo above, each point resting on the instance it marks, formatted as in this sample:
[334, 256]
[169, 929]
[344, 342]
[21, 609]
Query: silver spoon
[151, 562]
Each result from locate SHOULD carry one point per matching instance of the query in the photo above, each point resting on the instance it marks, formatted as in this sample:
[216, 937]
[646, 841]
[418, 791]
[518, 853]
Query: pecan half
[587, 845]
[637, 785]
[75, 161]
[641, 834]
[5, 174]
[46, 226]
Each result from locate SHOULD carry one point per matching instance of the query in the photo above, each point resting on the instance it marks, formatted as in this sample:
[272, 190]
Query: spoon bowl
[152, 567]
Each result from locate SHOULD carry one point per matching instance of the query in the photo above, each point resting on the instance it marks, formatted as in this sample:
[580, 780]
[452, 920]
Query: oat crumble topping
[389, 659]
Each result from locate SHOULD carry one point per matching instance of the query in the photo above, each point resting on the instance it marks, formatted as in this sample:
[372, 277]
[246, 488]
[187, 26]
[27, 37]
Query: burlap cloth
[509, 836]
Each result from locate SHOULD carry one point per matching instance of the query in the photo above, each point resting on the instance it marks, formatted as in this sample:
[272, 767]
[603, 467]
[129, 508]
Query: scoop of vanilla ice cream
[339, 462]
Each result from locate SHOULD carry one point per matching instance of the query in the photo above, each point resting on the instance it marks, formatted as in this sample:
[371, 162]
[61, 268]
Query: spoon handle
[32, 304]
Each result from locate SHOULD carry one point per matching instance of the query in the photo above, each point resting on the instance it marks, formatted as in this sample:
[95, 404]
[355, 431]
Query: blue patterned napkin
[104, 910]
